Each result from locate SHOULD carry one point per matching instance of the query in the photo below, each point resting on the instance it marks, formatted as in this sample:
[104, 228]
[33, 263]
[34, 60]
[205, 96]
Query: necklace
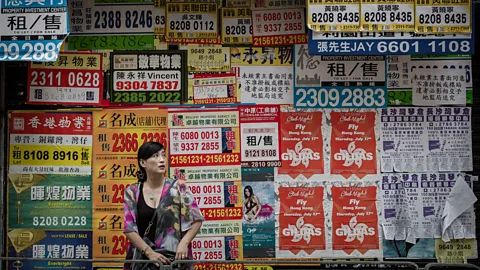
[151, 196]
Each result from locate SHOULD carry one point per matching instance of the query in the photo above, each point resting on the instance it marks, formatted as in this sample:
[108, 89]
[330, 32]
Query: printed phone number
[347, 17]
[222, 213]
[437, 19]
[209, 200]
[72, 79]
[260, 153]
[280, 40]
[208, 255]
[209, 189]
[28, 51]
[277, 27]
[345, 98]
[108, 42]
[63, 221]
[220, 266]
[204, 159]
[46, 155]
[128, 142]
[261, 164]
[150, 85]
[152, 97]
[204, 146]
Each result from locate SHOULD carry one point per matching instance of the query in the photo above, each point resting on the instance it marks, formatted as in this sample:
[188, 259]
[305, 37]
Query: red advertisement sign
[302, 221]
[354, 218]
[302, 143]
[353, 144]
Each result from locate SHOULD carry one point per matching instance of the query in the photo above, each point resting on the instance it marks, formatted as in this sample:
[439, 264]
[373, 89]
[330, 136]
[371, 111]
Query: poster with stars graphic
[148, 77]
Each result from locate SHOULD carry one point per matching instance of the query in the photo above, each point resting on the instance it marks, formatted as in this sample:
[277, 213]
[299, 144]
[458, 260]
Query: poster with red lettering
[302, 143]
[354, 218]
[353, 144]
[302, 220]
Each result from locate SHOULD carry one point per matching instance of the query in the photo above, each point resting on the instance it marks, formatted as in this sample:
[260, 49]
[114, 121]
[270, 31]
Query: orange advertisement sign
[354, 219]
[353, 144]
[302, 220]
[302, 143]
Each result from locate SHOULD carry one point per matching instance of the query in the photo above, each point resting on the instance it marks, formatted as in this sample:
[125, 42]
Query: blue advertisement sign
[343, 81]
[31, 243]
[32, 30]
[388, 43]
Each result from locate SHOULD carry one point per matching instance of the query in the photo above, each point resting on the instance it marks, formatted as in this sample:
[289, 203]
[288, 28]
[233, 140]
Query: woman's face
[247, 193]
[156, 163]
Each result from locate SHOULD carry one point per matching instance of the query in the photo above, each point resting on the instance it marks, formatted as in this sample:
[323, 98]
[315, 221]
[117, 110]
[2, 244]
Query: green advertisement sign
[40, 201]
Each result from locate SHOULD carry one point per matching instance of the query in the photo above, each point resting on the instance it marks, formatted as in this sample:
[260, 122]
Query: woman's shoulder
[133, 187]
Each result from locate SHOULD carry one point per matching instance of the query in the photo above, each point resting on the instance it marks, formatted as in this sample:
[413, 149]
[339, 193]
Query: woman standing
[165, 235]
[251, 206]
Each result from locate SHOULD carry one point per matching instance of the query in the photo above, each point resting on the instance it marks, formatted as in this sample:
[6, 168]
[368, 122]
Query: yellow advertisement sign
[191, 20]
[338, 16]
[443, 16]
[455, 251]
[208, 57]
[236, 26]
[261, 56]
[388, 15]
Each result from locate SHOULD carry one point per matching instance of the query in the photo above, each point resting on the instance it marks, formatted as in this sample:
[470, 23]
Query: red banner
[302, 221]
[302, 144]
[353, 144]
[354, 218]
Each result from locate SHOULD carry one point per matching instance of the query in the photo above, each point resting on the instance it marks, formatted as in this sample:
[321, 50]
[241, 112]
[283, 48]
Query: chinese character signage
[215, 88]
[46, 201]
[43, 244]
[278, 27]
[236, 26]
[204, 148]
[32, 30]
[113, 25]
[74, 79]
[389, 43]
[50, 143]
[192, 20]
[338, 81]
[443, 16]
[118, 135]
[265, 74]
[148, 77]
[327, 16]
[390, 15]
[208, 58]
[259, 130]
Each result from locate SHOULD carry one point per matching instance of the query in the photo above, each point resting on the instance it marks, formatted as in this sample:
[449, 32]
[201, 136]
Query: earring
[140, 175]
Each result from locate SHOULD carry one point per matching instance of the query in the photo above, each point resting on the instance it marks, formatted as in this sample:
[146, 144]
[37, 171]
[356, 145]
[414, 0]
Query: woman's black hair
[146, 151]
[250, 189]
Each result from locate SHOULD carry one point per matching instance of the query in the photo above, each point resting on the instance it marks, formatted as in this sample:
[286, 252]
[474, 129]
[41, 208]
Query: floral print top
[181, 211]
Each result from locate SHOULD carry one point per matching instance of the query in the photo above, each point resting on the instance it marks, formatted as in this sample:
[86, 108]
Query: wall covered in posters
[317, 132]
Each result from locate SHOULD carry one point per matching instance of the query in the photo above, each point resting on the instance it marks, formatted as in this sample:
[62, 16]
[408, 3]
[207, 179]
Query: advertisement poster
[353, 144]
[265, 74]
[301, 219]
[148, 77]
[216, 248]
[449, 139]
[33, 30]
[204, 150]
[258, 213]
[341, 16]
[354, 219]
[435, 87]
[259, 133]
[42, 244]
[403, 140]
[46, 201]
[338, 81]
[74, 79]
[191, 20]
[395, 207]
[301, 143]
[118, 135]
[50, 143]
[390, 15]
[236, 25]
[214, 88]
[112, 25]
[207, 57]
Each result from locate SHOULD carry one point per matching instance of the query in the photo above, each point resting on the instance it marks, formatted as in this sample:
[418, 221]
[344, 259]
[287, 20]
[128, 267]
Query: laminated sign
[113, 25]
[390, 15]
[333, 16]
[74, 79]
[191, 20]
[353, 144]
[32, 30]
[338, 81]
[148, 77]
[443, 16]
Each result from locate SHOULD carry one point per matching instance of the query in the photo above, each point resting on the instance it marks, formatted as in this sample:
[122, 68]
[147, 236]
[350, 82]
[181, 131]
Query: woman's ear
[142, 163]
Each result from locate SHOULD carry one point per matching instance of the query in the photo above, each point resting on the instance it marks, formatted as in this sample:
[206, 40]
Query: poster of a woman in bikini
[251, 205]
